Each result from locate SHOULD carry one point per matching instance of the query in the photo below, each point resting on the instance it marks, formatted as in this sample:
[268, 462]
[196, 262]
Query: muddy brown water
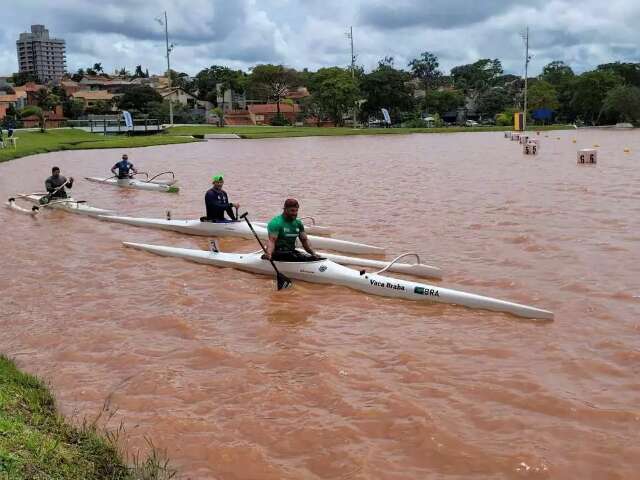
[237, 381]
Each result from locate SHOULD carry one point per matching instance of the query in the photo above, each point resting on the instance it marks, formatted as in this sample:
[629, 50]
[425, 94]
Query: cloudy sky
[311, 33]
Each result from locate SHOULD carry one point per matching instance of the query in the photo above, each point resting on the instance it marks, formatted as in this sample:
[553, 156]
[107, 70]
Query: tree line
[608, 94]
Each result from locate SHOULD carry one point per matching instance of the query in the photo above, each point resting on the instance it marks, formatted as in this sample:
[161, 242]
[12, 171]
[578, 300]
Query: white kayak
[329, 272]
[137, 184]
[236, 229]
[68, 204]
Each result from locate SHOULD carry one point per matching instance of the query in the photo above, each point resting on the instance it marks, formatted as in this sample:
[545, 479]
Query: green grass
[36, 443]
[31, 143]
[281, 132]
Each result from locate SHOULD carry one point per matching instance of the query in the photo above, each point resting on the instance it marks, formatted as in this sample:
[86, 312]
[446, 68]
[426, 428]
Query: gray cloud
[441, 14]
[311, 33]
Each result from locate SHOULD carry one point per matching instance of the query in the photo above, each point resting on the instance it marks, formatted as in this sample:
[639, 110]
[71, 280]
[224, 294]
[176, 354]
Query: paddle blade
[283, 281]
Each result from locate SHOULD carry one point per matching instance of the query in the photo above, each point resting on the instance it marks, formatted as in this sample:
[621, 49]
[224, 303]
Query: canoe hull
[329, 272]
[237, 229]
[135, 184]
[69, 205]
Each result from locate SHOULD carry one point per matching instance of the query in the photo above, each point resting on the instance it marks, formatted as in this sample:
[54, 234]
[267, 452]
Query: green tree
[441, 102]
[629, 72]
[139, 98]
[623, 103]
[19, 79]
[206, 82]
[425, 68]
[76, 77]
[542, 95]
[139, 73]
[477, 76]
[73, 108]
[38, 112]
[557, 73]
[589, 92]
[386, 87]
[272, 82]
[97, 67]
[492, 101]
[334, 92]
[101, 107]
[46, 100]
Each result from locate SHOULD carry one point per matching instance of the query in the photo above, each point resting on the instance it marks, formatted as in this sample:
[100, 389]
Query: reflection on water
[239, 381]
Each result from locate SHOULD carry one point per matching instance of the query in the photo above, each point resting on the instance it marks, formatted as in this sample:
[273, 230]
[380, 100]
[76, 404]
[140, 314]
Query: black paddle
[281, 280]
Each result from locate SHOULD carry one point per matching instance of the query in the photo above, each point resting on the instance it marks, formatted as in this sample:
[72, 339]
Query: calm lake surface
[237, 381]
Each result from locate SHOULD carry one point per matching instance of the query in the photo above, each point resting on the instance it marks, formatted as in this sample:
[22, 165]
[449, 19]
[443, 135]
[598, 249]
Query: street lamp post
[527, 58]
[169, 48]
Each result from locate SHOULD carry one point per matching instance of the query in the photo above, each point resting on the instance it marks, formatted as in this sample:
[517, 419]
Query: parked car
[471, 123]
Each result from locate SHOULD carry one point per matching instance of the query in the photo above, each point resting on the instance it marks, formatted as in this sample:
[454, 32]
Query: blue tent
[542, 114]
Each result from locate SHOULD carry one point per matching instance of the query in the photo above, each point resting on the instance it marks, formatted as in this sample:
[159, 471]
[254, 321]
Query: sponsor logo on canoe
[392, 286]
[323, 268]
[429, 292]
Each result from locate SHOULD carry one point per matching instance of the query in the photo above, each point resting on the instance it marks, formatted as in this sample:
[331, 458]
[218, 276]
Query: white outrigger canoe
[329, 272]
[11, 204]
[236, 229]
[136, 184]
[67, 204]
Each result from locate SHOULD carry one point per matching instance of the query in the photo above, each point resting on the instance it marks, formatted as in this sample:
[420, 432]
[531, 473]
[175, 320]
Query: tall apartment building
[43, 56]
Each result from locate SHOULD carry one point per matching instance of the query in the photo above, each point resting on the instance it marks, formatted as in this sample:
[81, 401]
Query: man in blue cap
[217, 203]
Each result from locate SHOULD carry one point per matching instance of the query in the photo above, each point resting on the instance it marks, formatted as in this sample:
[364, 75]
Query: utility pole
[353, 69]
[527, 58]
[169, 48]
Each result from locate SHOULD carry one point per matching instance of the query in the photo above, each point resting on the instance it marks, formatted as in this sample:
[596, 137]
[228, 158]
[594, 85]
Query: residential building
[53, 119]
[264, 113]
[229, 99]
[18, 100]
[92, 97]
[179, 95]
[41, 55]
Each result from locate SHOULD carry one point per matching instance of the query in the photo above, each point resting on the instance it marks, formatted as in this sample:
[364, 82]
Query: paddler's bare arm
[271, 246]
[305, 243]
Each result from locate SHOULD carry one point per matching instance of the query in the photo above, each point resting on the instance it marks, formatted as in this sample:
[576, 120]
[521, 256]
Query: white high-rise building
[43, 56]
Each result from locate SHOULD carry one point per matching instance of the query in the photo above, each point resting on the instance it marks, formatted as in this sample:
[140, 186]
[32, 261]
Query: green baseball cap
[217, 178]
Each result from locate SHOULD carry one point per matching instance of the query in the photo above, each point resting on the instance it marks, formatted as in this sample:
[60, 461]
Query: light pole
[169, 48]
[527, 58]
[349, 35]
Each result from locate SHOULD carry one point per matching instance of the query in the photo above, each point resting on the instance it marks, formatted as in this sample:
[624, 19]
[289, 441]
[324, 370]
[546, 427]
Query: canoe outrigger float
[236, 229]
[67, 204]
[147, 184]
[330, 272]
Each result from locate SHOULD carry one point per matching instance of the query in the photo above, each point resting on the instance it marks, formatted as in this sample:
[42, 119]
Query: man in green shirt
[284, 230]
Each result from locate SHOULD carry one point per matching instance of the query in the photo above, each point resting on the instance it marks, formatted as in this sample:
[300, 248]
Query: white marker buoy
[515, 137]
[524, 139]
[530, 148]
[587, 156]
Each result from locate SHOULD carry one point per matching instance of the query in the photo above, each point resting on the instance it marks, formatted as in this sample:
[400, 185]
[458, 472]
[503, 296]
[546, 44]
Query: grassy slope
[280, 132]
[36, 443]
[30, 143]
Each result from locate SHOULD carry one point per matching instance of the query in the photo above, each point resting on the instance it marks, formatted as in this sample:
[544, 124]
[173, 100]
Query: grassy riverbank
[30, 143]
[37, 443]
[282, 132]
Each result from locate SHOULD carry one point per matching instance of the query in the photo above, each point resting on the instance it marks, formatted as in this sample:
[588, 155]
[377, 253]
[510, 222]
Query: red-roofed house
[91, 97]
[264, 113]
[52, 119]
